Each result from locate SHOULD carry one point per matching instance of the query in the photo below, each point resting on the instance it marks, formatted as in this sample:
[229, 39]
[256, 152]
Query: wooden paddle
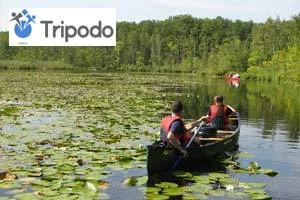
[187, 146]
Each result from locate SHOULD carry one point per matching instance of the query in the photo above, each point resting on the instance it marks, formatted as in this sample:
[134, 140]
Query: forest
[262, 51]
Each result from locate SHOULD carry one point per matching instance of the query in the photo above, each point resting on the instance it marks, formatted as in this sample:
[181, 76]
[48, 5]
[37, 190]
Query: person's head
[176, 107]
[218, 99]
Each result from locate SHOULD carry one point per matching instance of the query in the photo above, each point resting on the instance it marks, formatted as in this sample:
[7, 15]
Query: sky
[138, 10]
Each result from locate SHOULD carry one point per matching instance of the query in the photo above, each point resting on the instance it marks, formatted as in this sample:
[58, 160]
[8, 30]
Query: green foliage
[284, 66]
[275, 49]
[231, 56]
[179, 44]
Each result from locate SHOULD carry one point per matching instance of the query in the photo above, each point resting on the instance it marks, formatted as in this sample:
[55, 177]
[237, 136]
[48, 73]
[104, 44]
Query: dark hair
[218, 99]
[176, 107]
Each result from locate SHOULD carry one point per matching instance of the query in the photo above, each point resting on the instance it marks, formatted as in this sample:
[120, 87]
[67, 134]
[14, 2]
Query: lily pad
[245, 155]
[182, 174]
[237, 195]
[257, 194]
[187, 196]
[90, 186]
[49, 192]
[229, 181]
[27, 196]
[142, 180]
[173, 191]
[155, 196]
[218, 193]
[131, 181]
[152, 189]
[199, 188]
[253, 166]
[269, 172]
[253, 184]
[218, 175]
[166, 185]
[201, 179]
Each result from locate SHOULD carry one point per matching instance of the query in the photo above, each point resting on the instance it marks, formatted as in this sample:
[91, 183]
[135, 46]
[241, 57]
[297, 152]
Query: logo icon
[23, 23]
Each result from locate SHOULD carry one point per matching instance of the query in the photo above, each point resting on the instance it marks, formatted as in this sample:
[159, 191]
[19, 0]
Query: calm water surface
[270, 116]
[270, 130]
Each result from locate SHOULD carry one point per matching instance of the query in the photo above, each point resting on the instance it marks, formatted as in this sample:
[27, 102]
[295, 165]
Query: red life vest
[166, 123]
[216, 111]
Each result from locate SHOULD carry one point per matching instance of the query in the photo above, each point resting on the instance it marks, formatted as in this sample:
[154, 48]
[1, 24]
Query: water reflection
[270, 115]
[273, 108]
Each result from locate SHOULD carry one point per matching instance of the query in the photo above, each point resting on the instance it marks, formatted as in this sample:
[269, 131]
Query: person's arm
[177, 128]
[174, 141]
[231, 108]
[196, 123]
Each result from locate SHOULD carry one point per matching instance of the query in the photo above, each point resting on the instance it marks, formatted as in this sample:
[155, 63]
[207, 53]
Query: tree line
[266, 51]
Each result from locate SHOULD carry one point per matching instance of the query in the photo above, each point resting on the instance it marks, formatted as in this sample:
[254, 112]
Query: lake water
[50, 120]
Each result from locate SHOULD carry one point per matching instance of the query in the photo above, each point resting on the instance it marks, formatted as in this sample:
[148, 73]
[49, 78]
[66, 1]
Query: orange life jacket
[217, 116]
[165, 126]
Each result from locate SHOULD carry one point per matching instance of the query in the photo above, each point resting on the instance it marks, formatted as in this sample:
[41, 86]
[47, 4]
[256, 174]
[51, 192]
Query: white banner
[62, 27]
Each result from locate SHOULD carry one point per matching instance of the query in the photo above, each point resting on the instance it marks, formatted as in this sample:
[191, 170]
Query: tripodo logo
[62, 27]
[22, 27]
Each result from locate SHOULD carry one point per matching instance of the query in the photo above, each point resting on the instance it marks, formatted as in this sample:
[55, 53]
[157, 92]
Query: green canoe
[161, 159]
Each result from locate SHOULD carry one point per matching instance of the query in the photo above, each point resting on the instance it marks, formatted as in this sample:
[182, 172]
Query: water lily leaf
[205, 179]
[154, 196]
[218, 175]
[131, 181]
[261, 197]
[173, 191]
[269, 172]
[140, 158]
[81, 171]
[255, 184]
[90, 186]
[218, 193]
[49, 192]
[96, 175]
[66, 168]
[152, 190]
[257, 194]
[254, 166]
[56, 184]
[74, 184]
[199, 188]
[103, 196]
[229, 181]
[27, 196]
[166, 185]
[28, 180]
[142, 180]
[245, 155]
[237, 195]
[197, 196]
[125, 164]
[49, 171]
[66, 197]
[254, 191]
[182, 174]
[51, 177]
[42, 183]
